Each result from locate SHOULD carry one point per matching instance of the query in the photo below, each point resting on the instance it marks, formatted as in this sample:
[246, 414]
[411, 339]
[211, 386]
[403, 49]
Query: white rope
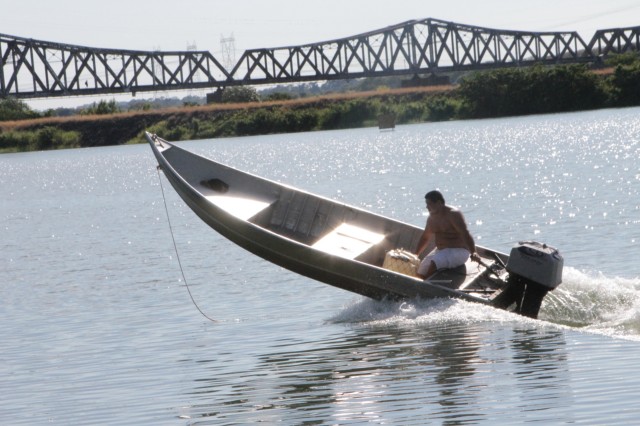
[175, 247]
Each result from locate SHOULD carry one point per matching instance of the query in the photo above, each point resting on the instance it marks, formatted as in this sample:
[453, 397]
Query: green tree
[278, 96]
[240, 94]
[626, 85]
[532, 90]
[102, 108]
[627, 58]
[14, 109]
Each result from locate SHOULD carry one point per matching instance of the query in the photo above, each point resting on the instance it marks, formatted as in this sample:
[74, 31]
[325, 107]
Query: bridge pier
[215, 97]
[430, 80]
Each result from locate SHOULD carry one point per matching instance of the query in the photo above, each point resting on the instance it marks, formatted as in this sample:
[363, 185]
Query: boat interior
[325, 224]
[351, 233]
[334, 228]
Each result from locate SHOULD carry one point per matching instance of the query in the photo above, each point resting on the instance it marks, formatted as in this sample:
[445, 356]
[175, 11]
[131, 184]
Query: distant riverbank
[504, 92]
[357, 109]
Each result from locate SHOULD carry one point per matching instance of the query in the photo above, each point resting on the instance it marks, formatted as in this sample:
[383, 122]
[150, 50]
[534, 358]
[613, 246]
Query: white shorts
[444, 259]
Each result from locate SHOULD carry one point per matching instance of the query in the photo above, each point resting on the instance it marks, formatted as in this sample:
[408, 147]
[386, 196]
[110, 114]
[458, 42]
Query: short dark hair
[434, 196]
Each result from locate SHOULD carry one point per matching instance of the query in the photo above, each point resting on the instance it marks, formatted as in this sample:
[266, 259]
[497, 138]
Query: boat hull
[331, 242]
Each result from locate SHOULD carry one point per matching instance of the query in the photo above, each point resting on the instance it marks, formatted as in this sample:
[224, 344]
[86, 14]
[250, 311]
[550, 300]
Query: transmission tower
[197, 76]
[228, 47]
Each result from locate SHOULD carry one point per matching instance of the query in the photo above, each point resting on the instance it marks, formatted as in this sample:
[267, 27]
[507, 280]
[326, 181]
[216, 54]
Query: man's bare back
[446, 229]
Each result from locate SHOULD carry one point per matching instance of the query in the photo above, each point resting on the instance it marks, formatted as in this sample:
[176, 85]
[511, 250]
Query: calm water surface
[98, 326]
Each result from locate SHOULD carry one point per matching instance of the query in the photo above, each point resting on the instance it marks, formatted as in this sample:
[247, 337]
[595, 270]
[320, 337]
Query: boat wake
[596, 303]
[591, 303]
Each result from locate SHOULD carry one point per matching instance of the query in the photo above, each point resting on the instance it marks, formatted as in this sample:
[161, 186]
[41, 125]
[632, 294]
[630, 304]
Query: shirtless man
[453, 241]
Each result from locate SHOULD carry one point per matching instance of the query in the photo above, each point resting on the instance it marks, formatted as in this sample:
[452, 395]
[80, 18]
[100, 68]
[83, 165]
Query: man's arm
[425, 238]
[460, 225]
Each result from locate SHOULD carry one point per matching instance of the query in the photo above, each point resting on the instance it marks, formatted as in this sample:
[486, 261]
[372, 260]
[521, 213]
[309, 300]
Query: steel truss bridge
[37, 69]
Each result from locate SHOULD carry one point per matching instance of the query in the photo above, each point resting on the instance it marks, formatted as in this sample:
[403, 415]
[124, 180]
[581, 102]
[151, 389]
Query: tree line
[496, 93]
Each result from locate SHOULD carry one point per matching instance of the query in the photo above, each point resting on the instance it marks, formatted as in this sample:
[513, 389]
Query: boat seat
[348, 241]
[459, 277]
[240, 207]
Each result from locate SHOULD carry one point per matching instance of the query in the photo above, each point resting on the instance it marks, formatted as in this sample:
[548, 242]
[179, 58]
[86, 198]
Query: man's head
[434, 199]
[434, 196]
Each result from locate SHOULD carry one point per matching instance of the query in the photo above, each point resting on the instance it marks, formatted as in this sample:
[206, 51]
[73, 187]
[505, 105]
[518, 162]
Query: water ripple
[98, 327]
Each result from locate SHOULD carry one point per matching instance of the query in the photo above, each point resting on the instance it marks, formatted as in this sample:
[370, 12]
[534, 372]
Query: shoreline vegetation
[488, 94]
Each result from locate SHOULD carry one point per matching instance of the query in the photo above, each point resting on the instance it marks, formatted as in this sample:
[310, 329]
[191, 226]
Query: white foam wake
[587, 302]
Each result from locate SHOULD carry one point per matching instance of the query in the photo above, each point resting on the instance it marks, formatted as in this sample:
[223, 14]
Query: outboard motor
[534, 269]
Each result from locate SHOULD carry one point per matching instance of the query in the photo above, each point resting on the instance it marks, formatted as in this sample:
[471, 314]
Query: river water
[98, 326]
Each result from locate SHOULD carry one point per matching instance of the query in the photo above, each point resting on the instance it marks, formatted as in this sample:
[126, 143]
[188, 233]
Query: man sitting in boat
[453, 242]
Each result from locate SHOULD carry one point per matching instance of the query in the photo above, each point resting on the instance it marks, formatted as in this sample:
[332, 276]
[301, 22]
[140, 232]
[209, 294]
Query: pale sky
[173, 25]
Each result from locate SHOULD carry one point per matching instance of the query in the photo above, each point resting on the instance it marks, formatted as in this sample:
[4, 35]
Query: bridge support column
[215, 97]
[430, 80]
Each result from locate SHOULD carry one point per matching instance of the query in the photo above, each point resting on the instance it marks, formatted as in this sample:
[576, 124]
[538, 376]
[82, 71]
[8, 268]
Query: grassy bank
[213, 121]
[504, 92]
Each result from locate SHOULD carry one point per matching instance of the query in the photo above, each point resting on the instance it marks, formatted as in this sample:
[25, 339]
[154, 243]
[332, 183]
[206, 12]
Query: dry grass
[604, 71]
[52, 121]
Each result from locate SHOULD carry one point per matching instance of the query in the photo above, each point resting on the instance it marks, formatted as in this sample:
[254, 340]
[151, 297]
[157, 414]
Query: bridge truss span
[412, 47]
[615, 40]
[31, 68]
